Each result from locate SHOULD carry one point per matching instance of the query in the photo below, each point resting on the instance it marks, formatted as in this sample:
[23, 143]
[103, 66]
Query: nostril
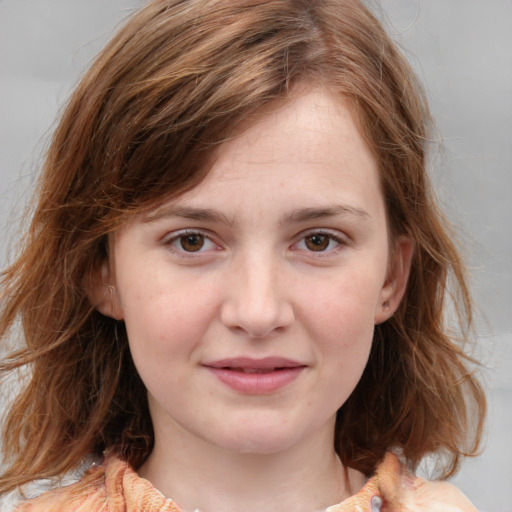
[257, 324]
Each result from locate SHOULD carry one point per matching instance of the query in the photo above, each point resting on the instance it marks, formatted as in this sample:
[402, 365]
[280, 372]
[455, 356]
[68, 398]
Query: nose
[257, 300]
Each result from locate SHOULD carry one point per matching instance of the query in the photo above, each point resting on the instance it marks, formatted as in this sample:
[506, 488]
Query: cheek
[345, 307]
[165, 318]
[341, 320]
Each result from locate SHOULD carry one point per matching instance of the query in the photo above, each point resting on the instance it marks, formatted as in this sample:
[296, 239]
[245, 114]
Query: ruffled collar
[114, 486]
[123, 484]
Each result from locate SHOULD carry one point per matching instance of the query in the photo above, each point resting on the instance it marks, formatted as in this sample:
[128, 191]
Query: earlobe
[397, 277]
[102, 294]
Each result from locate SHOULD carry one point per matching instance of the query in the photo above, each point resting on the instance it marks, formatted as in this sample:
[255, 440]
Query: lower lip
[257, 383]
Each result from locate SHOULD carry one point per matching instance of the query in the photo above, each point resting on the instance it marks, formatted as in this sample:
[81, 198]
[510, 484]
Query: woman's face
[250, 301]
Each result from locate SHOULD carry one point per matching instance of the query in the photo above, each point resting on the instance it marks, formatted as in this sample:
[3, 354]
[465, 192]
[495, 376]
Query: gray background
[462, 50]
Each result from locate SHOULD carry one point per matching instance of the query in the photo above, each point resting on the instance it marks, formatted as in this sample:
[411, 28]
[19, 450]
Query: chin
[265, 440]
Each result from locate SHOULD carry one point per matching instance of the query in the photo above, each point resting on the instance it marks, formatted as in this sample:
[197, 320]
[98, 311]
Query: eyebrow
[306, 214]
[203, 214]
[299, 215]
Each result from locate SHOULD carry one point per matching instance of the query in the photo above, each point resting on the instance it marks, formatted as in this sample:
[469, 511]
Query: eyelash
[206, 239]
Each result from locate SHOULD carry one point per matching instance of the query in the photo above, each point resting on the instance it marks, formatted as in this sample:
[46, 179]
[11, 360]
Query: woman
[234, 281]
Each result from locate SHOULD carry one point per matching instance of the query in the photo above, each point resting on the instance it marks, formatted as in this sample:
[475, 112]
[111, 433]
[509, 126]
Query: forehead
[302, 127]
[307, 149]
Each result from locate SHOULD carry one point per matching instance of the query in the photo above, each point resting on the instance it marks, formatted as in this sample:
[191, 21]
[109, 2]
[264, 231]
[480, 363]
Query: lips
[256, 376]
[253, 370]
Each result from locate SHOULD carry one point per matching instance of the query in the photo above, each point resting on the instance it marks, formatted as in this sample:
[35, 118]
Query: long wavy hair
[172, 85]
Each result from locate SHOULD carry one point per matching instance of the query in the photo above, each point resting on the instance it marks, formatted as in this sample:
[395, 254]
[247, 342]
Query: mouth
[252, 370]
[253, 365]
[256, 376]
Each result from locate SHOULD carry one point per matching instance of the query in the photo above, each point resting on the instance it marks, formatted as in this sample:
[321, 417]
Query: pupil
[192, 243]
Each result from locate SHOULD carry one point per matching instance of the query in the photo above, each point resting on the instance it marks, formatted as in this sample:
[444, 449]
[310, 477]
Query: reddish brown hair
[171, 86]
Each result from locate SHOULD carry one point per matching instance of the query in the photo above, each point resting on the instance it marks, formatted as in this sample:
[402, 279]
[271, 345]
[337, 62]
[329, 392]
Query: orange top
[115, 487]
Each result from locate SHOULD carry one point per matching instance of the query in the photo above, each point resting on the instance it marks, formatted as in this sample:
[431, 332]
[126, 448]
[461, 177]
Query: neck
[200, 476]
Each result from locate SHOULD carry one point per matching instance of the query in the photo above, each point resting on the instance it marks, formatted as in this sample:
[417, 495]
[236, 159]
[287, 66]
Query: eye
[190, 242]
[319, 241]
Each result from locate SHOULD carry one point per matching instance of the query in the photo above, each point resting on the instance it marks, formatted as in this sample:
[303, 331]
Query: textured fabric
[115, 487]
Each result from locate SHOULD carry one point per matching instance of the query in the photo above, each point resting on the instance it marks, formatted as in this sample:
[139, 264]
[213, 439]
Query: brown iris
[192, 243]
[317, 242]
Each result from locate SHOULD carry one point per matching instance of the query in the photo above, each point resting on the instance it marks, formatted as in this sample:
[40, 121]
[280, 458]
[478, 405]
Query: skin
[282, 251]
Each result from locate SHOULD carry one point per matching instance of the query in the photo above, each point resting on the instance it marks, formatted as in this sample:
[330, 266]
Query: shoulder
[89, 494]
[404, 492]
[113, 486]
[439, 497]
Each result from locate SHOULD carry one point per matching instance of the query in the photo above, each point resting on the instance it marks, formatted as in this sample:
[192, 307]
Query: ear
[102, 292]
[397, 276]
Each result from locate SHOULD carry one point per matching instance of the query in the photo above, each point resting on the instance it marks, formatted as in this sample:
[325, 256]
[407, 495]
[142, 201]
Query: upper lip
[245, 363]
